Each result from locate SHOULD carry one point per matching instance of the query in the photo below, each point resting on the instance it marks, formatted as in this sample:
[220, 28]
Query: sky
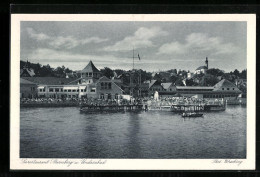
[160, 45]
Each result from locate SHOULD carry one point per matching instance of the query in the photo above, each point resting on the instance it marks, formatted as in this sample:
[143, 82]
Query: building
[155, 85]
[26, 71]
[89, 74]
[203, 69]
[52, 87]
[89, 85]
[28, 89]
[223, 89]
[189, 75]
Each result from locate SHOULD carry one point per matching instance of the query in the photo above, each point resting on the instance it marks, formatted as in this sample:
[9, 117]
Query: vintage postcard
[132, 92]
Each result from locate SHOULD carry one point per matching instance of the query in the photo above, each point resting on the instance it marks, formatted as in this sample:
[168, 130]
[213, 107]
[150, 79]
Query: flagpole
[133, 58]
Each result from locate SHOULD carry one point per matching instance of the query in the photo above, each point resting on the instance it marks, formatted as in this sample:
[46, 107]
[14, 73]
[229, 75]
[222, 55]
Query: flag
[139, 57]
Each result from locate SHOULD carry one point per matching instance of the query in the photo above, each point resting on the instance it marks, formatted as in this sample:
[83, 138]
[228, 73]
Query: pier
[110, 108]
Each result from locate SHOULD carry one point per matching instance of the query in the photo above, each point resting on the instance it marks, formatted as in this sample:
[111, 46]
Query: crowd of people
[183, 101]
[47, 100]
[150, 101]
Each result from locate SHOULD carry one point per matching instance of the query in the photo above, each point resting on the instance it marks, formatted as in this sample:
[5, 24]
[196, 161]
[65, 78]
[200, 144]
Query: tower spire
[207, 63]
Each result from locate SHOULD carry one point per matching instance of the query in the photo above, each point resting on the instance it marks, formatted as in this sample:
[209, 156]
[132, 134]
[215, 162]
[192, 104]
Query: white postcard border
[17, 163]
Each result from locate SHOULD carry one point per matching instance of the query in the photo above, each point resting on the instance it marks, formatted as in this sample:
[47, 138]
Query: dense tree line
[45, 70]
[210, 78]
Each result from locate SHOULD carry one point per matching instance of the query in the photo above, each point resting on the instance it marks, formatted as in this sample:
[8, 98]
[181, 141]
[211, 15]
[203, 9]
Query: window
[227, 88]
[73, 90]
[170, 89]
[102, 96]
[116, 96]
[233, 88]
[105, 85]
[90, 74]
[40, 90]
[93, 90]
[82, 90]
[222, 88]
[50, 89]
[69, 90]
[61, 90]
[78, 90]
[85, 90]
[57, 90]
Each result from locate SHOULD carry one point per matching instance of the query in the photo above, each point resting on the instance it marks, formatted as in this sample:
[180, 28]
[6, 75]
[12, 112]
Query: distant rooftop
[202, 67]
[194, 87]
[166, 85]
[24, 81]
[90, 68]
[48, 80]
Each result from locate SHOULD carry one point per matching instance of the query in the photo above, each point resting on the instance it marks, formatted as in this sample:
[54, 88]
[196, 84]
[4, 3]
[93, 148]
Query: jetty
[110, 108]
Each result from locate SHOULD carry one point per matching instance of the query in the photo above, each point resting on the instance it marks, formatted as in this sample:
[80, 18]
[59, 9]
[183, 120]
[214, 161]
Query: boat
[191, 114]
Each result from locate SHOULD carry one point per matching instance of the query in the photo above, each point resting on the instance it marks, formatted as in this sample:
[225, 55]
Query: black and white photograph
[132, 92]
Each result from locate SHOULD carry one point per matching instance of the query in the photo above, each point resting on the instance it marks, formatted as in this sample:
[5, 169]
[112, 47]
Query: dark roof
[104, 79]
[90, 68]
[202, 67]
[29, 71]
[224, 83]
[23, 81]
[49, 80]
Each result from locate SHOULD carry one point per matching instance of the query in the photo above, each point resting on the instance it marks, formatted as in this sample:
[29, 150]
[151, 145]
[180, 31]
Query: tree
[236, 72]
[190, 82]
[179, 82]
[173, 78]
[243, 74]
[173, 71]
[215, 72]
[60, 71]
[46, 70]
[37, 68]
[208, 80]
[107, 72]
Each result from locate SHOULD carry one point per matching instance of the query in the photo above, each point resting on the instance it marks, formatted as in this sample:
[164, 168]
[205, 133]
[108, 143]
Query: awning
[82, 87]
[72, 88]
[41, 87]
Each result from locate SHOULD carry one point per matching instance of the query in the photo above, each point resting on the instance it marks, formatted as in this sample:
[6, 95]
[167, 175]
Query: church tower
[207, 63]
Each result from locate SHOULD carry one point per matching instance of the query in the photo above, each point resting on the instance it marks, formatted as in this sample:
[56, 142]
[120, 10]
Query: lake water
[67, 133]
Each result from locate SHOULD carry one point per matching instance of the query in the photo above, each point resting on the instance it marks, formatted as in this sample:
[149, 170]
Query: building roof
[194, 87]
[151, 83]
[224, 83]
[202, 67]
[166, 85]
[23, 81]
[90, 68]
[49, 80]
[103, 79]
[29, 71]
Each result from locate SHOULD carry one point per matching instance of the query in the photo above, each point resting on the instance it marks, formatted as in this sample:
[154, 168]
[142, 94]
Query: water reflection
[66, 133]
[133, 143]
